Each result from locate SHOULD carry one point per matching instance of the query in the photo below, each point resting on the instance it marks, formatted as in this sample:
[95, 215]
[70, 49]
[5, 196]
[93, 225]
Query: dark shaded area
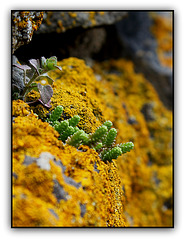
[147, 111]
[130, 38]
[139, 45]
[169, 203]
[99, 43]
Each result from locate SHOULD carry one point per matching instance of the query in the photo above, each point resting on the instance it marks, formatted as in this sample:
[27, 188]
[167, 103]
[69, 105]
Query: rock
[80, 188]
[58, 21]
[148, 112]
[24, 23]
[83, 209]
[17, 77]
[43, 160]
[59, 192]
[55, 184]
[28, 160]
[142, 42]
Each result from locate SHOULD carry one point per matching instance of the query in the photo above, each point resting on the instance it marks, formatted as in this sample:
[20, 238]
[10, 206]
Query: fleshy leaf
[60, 68]
[43, 62]
[23, 67]
[35, 64]
[45, 104]
[46, 92]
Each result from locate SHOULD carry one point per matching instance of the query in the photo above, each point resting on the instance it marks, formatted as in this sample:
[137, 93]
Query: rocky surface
[24, 23]
[141, 34]
[55, 184]
[60, 21]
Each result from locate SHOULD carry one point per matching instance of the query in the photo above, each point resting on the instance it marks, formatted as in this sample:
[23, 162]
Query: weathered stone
[83, 209]
[140, 44]
[29, 160]
[58, 21]
[53, 212]
[17, 77]
[24, 23]
[59, 192]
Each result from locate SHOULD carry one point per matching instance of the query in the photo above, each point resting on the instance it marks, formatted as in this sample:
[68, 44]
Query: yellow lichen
[133, 190]
[72, 14]
[162, 30]
[33, 187]
[152, 140]
[92, 18]
[20, 108]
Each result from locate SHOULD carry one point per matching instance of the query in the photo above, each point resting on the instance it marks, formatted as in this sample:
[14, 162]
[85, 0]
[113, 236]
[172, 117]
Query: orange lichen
[72, 14]
[162, 30]
[141, 194]
[25, 18]
[152, 139]
[49, 14]
[92, 18]
[33, 188]
[20, 108]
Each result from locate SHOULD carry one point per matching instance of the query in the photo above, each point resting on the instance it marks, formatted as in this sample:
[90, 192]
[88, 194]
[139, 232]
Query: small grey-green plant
[37, 71]
[102, 140]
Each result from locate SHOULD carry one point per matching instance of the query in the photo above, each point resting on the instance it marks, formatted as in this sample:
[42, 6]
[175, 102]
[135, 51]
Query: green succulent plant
[102, 140]
[37, 71]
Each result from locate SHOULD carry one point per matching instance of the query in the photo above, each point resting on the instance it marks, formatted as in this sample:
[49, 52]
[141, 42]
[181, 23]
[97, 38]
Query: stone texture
[24, 23]
[140, 44]
[58, 21]
[17, 77]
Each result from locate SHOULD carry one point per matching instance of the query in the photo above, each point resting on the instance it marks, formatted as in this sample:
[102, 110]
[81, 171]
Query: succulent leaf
[99, 134]
[46, 92]
[108, 124]
[74, 121]
[56, 114]
[111, 136]
[102, 140]
[114, 153]
[68, 132]
[126, 147]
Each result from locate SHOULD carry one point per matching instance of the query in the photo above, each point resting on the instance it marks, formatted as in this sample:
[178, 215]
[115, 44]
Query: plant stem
[29, 83]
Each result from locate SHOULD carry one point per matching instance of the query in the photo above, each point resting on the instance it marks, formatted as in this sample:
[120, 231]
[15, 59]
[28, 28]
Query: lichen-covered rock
[58, 21]
[74, 187]
[24, 23]
[58, 185]
[147, 38]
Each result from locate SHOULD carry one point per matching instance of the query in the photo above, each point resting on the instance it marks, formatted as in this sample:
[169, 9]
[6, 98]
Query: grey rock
[140, 45]
[71, 181]
[17, 77]
[54, 213]
[83, 209]
[67, 179]
[24, 24]
[148, 112]
[43, 160]
[95, 168]
[15, 175]
[59, 192]
[58, 21]
[132, 120]
[29, 160]
[59, 163]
